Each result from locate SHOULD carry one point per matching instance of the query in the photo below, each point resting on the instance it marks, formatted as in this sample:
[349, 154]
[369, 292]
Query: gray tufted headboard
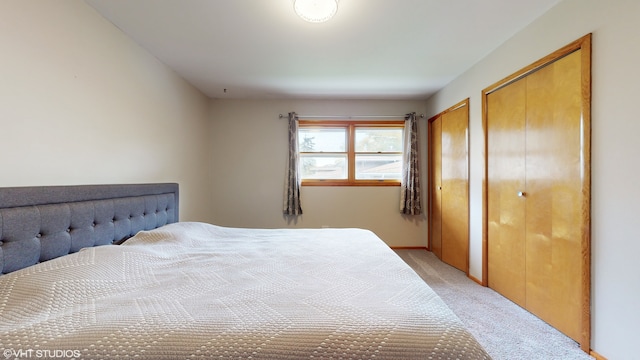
[44, 222]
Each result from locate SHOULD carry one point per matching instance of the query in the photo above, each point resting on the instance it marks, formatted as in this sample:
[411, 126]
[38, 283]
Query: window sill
[350, 183]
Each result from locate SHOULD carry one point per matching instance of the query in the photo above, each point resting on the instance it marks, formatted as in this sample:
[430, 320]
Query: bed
[182, 290]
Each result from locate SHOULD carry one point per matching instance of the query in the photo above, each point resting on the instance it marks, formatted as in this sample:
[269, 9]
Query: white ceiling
[371, 49]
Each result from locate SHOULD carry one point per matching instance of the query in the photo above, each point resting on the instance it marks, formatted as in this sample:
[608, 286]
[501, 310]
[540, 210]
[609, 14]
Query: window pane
[322, 140]
[378, 140]
[323, 166]
[378, 167]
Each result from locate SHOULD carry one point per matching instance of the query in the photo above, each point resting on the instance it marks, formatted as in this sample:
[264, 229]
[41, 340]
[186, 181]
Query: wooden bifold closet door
[538, 191]
[449, 190]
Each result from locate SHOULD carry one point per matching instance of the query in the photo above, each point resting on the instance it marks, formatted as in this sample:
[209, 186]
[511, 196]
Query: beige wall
[81, 103]
[249, 147]
[615, 150]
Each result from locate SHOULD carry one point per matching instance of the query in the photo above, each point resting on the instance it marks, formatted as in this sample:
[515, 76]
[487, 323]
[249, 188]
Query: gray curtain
[410, 203]
[292, 206]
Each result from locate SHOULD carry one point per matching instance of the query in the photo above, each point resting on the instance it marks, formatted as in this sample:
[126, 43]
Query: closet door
[435, 214]
[555, 222]
[537, 126]
[455, 188]
[506, 111]
[449, 189]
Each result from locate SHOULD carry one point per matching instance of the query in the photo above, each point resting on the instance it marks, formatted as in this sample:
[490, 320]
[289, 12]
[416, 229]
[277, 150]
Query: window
[351, 153]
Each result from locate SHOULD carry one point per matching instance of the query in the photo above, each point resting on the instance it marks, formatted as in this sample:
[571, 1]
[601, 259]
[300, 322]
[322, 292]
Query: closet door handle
[522, 194]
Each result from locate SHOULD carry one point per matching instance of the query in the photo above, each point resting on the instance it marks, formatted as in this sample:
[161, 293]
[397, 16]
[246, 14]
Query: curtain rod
[349, 117]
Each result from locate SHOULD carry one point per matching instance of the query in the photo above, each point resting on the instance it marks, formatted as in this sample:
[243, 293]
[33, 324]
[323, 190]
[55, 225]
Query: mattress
[195, 290]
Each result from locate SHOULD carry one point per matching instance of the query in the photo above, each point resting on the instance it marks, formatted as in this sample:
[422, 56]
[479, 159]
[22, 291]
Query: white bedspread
[194, 290]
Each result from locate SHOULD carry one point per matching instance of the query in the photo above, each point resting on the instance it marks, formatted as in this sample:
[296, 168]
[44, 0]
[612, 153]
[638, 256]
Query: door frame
[583, 44]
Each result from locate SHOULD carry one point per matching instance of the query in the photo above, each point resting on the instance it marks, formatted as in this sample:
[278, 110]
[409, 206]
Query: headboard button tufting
[52, 211]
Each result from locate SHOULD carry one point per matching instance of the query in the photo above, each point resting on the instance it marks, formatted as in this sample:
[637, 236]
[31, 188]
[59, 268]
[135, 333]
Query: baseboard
[596, 355]
[408, 248]
[475, 280]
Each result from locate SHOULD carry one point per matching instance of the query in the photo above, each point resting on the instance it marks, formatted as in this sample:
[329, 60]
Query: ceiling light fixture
[315, 11]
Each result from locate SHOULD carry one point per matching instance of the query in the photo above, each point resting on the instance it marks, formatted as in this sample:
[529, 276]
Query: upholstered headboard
[44, 222]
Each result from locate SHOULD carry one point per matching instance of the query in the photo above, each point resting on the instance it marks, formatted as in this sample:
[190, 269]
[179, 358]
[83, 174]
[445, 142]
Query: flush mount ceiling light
[315, 10]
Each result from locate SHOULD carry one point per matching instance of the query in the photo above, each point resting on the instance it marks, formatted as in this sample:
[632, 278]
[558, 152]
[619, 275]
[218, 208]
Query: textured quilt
[194, 290]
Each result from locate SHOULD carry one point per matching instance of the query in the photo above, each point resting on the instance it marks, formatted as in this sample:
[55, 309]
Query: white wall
[249, 147]
[615, 150]
[81, 103]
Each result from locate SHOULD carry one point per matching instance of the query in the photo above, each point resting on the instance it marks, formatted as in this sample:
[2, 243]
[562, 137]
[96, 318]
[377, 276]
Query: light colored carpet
[506, 330]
